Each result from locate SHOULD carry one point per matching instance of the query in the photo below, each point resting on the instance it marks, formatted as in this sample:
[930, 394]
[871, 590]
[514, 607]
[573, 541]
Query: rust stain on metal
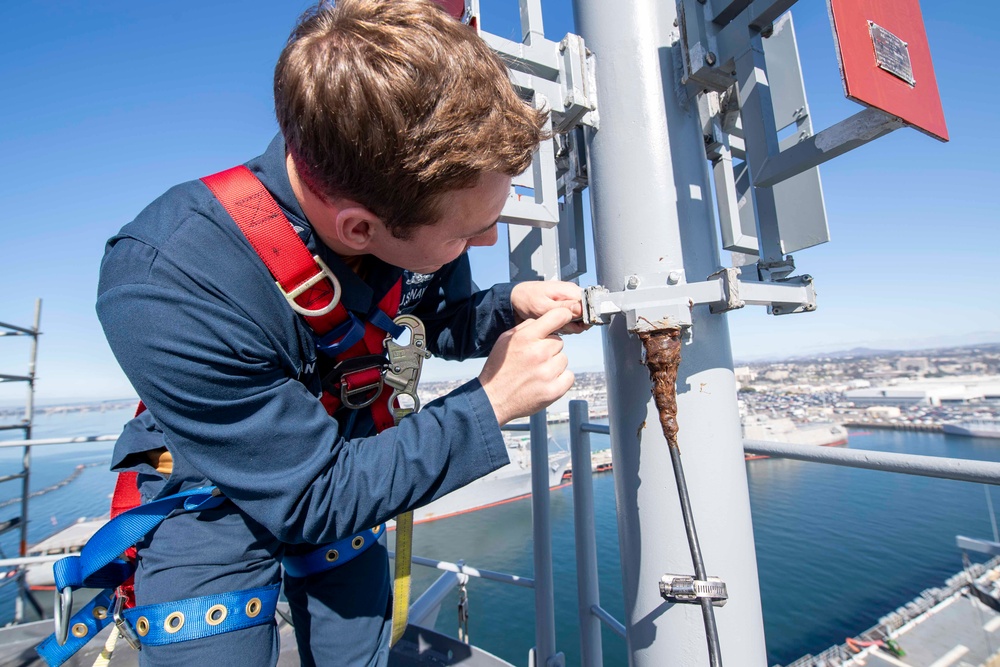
[663, 356]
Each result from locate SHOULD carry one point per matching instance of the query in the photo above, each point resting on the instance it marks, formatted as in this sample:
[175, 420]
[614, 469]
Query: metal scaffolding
[25, 425]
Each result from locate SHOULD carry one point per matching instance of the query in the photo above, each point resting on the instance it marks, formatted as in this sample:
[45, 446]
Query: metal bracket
[560, 77]
[684, 589]
[664, 301]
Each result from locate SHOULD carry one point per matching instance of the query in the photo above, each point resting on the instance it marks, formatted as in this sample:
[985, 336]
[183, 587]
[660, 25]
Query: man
[399, 135]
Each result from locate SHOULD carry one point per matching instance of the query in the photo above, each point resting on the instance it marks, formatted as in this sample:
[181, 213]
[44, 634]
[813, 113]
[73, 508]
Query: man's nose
[487, 238]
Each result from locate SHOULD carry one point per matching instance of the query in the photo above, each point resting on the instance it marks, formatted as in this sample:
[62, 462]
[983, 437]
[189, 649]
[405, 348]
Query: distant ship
[976, 428]
[511, 482]
[822, 434]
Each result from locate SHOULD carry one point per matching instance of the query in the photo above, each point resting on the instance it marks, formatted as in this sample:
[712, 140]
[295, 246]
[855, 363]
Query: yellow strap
[401, 585]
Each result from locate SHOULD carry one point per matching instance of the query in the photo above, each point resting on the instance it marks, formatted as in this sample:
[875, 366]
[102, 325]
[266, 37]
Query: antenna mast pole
[652, 208]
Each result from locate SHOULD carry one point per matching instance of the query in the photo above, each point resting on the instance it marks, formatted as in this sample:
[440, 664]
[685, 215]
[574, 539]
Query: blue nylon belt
[331, 555]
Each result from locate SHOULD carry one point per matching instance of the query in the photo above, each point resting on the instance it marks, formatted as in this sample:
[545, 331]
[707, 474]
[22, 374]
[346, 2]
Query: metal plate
[880, 79]
[891, 53]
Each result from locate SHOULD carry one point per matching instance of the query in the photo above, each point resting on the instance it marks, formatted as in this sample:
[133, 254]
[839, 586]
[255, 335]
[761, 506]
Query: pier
[895, 426]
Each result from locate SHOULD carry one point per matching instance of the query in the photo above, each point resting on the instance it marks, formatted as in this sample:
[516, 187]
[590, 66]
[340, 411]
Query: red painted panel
[454, 7]
[865, 82]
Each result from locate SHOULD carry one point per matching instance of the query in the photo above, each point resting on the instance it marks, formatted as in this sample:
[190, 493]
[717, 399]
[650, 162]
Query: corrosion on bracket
[663, 356]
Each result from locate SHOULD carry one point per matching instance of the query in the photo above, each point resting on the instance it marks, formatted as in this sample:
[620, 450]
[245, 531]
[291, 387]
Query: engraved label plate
[891, 53]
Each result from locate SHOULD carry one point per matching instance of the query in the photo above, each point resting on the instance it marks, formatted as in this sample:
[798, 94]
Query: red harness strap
[307, 284]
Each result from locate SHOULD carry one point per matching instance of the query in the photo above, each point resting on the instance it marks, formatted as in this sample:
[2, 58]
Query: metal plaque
[891, 53]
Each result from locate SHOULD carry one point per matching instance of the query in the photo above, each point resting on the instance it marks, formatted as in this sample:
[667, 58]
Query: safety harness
[364, 359]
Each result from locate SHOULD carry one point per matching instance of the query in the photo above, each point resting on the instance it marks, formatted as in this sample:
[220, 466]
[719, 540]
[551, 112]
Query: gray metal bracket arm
[662, 301]
[866, 125]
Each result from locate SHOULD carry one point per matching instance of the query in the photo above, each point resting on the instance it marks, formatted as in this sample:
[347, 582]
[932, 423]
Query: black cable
[707, 610]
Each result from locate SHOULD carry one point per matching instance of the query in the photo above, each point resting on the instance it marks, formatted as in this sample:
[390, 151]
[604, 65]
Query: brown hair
[393, 102]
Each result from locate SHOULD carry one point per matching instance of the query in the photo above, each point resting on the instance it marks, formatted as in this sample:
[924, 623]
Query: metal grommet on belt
[174, 622]
[217, 614]
[100, 613]
[376, 530]
[332, 555]
[142, 626]
[79, 630]
[358, 542]
[253, 607]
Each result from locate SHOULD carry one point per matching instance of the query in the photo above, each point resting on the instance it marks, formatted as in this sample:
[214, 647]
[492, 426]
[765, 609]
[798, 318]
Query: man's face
[468, 218]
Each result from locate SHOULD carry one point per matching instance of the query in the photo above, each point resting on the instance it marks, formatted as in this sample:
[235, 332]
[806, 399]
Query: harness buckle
[124, 627]
[405, 361]
[344, 378]
[324, 273]
[61, 611]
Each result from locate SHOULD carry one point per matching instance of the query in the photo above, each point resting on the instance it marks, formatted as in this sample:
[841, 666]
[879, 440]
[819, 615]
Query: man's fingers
[548, 323]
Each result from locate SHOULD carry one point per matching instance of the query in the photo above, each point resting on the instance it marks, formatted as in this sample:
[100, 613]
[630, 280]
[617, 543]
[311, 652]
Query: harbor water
[837, 548]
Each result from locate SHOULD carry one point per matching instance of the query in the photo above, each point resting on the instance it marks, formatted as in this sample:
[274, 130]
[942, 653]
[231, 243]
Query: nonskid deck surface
[960, 631]
[419, 647]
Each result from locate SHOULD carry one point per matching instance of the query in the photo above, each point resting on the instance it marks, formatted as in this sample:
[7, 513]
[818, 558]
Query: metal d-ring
[60, 612]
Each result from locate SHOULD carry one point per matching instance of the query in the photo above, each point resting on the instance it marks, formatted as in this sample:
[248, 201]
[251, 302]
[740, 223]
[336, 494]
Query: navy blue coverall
[231, 379]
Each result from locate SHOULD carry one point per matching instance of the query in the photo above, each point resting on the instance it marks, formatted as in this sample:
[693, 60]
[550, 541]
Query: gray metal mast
[653, 217]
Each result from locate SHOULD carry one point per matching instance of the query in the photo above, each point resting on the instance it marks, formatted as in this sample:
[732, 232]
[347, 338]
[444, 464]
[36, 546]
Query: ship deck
[959, 631]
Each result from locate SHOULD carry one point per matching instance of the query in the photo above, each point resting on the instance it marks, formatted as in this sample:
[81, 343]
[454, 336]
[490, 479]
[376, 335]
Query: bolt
[674, 277]
[807, 279]
[776, 310]
[396, 369]
[710, 59]
[632, 283]
[419, 343]
[562, 47]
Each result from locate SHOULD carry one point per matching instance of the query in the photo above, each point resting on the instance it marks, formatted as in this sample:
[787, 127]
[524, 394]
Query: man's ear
[355, 227]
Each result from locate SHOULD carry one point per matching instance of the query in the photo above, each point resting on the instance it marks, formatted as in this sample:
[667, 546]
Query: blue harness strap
[331, 555]
[205, 616]
[99, 565]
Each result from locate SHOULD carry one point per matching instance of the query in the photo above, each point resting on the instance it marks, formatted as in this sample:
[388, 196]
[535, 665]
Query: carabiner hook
[405, 361]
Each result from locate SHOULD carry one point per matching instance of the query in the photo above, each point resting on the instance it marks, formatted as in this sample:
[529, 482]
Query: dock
[600, 461]
[895, 426]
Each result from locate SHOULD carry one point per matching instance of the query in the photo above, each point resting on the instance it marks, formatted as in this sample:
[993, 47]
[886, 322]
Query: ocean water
[837, 548]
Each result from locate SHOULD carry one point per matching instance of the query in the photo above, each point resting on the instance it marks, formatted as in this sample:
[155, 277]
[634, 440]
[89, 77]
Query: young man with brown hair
[400, 133]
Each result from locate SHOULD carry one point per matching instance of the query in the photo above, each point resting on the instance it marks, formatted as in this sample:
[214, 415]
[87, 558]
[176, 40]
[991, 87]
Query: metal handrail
[613, 623]
[964, 470]
[38, 442]
[462, 568]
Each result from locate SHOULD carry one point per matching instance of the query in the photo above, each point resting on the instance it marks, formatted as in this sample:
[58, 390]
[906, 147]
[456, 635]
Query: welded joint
[684, 589]
[730, 278]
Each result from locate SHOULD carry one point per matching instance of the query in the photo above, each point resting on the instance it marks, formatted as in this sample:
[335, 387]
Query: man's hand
[534, 298]
[526, 371]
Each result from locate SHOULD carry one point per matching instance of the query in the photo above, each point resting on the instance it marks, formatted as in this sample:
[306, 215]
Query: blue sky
[107, 104]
